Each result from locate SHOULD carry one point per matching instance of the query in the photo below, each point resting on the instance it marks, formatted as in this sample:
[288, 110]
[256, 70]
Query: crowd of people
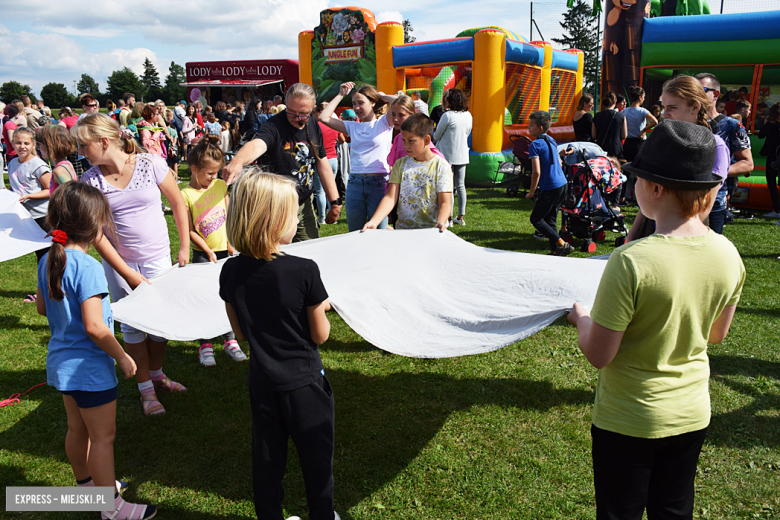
[286, 159]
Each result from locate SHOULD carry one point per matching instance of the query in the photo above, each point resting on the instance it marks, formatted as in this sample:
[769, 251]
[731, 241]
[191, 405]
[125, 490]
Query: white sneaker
[293, 518]
[233, 351]
[772, 214]
[206, 355]
[459, 221]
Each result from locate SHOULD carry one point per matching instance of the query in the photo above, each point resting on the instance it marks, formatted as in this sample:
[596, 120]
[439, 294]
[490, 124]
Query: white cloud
[95, 32]
[389, 16]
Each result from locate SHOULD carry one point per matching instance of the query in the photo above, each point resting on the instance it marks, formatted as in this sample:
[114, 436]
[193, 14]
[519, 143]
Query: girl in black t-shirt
[278, 303]
[610, 127]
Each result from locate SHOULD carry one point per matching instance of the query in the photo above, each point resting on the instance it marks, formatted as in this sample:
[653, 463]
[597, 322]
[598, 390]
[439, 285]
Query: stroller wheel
[599, 236]
[588, 246]
[619, 241]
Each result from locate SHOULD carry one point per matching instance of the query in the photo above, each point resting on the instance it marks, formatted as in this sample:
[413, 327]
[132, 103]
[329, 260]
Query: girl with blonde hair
[133, 182]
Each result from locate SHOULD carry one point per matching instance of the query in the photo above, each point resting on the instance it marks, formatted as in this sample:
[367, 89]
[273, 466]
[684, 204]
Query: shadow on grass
[770, 313]
[14, 294]
[747, 426]
[203, 442]
[14, 322]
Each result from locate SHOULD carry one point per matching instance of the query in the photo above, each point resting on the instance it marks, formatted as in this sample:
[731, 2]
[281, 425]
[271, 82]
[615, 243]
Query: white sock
[146, 387]
[156, 374]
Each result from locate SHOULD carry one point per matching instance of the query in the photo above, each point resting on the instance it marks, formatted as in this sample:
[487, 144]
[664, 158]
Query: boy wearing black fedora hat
[661, 300]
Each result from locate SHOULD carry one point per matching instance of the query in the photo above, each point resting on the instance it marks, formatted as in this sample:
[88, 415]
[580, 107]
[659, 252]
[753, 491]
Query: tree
[408, 29]
[580, 33]
[121, 81]
[87, 85]
[11, 90]
[150, 81]
[173, 91]
[55, 95]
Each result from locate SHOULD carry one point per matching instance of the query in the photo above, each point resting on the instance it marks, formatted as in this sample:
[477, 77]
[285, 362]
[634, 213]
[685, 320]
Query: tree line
[146, 87]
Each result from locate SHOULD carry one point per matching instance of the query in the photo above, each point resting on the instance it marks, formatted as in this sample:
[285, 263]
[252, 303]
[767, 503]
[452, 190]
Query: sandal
[127, 511]
[151, 409]
[31, 298]
[166, 383]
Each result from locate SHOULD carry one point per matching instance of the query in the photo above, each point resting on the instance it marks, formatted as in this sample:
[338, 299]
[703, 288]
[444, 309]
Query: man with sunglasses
[736, 138]
[290, 143]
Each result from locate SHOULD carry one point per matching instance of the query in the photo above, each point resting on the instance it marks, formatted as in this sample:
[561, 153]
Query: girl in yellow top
[206, 198]
[661, 300]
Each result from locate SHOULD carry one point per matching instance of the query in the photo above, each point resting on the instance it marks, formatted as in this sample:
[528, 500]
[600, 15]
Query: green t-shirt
[418, 193]
[665, 293]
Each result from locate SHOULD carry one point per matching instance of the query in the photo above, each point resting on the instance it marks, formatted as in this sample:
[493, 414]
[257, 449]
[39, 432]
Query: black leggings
[633, 474]
[544, 216]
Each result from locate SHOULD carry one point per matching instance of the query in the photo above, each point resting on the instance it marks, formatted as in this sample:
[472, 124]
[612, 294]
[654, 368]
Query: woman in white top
[371, 140]
[451, 136]
[639, 121]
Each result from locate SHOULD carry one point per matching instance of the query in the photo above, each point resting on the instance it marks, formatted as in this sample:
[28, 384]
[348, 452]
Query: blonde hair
[262, 208]
[690, 90]
[94, 127]
[405, 102]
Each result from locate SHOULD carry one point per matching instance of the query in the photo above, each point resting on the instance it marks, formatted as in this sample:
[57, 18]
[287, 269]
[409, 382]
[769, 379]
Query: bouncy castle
[504, 77]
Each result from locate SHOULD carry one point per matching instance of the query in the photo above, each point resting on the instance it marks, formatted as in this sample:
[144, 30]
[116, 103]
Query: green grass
[503, 435]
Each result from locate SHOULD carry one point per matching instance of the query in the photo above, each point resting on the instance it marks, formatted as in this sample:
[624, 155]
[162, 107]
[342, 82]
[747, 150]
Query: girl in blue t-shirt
[73, 295]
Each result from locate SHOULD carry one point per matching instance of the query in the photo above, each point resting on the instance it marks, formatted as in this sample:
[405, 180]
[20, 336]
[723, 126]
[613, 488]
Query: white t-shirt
[25, 179]
[225, 143]
[421, 107]
[371, 142]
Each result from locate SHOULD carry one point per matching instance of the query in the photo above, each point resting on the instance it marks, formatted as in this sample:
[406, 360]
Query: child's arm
[233, 317]
[118, 264]
[170, 189]
[319, 326]
[386, 205]
[325, 116]
[599, 344]
[45, 180]
[61, 175]
[231, 250]
[636, 226]
[445, 209]
[197, 240]
[536, 172]
[40, 305]
[721, 326]
[98, 331]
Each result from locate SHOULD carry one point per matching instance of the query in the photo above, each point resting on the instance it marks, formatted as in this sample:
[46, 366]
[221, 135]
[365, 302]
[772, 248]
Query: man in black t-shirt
[291, 144]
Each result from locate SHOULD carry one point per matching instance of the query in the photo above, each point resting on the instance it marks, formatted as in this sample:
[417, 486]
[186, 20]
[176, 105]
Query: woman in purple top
[137, 246]
[684, 99]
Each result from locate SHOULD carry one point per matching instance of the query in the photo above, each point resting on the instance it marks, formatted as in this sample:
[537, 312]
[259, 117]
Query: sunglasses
[298, 116]
[92, 105]
[710, 89]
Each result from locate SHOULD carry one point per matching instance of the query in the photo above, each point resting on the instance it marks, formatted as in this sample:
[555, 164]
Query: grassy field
[503, 435]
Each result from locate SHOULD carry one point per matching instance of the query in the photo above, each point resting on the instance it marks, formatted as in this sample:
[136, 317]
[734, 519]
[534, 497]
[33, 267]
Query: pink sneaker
[233, 351]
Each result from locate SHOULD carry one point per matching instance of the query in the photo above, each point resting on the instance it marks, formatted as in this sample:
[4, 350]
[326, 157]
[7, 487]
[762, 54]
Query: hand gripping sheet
[414, 293]
[19, 234]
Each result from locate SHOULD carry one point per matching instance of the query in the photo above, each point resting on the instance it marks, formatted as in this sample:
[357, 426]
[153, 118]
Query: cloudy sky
[44, 41]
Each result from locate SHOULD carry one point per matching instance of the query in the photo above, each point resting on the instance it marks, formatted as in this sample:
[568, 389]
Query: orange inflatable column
[387, 35]
[304, 56]
[488, 91]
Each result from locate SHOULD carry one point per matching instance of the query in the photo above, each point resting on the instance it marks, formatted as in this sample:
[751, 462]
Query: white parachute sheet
[19, 234]
[417, 293]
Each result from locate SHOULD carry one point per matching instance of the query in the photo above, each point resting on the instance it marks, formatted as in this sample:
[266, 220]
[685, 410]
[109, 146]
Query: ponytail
[207, 149]
[690, 90]
[55, 265]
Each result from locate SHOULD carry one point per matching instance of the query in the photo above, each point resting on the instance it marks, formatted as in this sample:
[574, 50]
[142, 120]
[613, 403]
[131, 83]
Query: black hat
[677, 155]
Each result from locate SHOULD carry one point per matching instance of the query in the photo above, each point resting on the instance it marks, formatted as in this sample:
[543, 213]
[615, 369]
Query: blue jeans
[323, 205]
[364, 192]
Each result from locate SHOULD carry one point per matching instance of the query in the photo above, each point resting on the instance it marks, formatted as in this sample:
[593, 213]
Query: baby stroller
[516, 174]
[585, 215]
